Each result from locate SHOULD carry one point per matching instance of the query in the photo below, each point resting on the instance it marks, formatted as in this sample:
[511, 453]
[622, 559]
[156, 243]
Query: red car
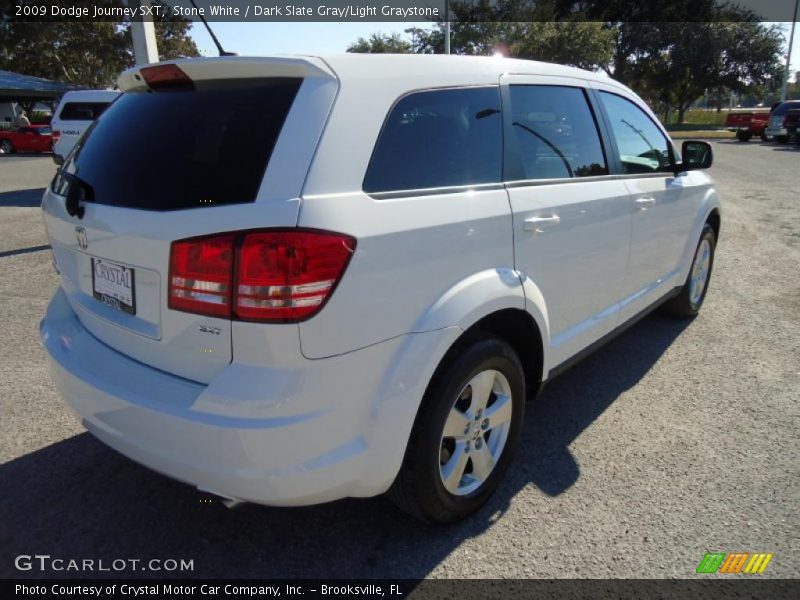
[36, 138]
[748, 124]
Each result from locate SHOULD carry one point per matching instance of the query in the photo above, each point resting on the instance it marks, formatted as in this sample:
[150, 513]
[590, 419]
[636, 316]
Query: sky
[323, 38]
[289, 38]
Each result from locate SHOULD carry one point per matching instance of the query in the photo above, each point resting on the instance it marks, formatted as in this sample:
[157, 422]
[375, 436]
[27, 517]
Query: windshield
[183, 149]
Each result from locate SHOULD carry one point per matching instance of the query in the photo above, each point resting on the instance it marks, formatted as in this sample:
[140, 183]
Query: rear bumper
[776, 131]
[335, 428]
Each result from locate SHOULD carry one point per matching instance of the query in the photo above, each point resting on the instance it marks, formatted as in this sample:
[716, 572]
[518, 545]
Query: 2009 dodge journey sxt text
[292, 280]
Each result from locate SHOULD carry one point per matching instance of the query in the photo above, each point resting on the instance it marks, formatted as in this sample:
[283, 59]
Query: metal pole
[789, 53]
[447, 26]
[143, 32]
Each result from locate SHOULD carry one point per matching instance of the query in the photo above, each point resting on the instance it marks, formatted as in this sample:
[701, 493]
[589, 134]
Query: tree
[83, 52]
[520, 29]
[380, 43]
[583, 44]
[673, 63]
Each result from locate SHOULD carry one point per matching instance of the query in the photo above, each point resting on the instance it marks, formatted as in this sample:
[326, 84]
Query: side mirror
[696, 155]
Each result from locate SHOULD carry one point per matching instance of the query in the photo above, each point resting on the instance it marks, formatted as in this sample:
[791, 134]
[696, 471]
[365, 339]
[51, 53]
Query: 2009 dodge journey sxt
[292, 280]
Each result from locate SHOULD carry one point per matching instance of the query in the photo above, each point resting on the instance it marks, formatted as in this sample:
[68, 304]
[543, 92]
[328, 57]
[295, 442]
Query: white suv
[303, 279]
[74, 115]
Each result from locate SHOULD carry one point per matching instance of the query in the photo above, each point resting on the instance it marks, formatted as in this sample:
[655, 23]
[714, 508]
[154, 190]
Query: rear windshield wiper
[78, 190]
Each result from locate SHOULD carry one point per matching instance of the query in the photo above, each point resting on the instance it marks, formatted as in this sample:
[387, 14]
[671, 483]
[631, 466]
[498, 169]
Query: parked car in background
[290, 280]
[792, 123]
[75, 113]
[778, 125]
[747, 124]
[33, 138]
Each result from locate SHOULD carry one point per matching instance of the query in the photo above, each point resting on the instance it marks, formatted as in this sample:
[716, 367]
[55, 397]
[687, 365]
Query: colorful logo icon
[734, 562]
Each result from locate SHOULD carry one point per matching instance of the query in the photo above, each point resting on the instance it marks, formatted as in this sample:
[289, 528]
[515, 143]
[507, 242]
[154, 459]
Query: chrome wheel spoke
[498, 413]
[453, 470]
[481, 386]
[482, 462]
[457, 424]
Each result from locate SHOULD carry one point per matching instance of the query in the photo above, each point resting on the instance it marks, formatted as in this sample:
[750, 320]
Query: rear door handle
[538, 224]
[645, 202]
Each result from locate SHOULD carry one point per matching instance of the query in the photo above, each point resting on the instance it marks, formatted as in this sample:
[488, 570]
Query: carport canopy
[15, 87]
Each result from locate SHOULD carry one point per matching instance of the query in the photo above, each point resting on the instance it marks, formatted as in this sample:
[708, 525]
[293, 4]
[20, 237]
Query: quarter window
[82, 111]
[556, 132]
[439, 138]
[642, 147]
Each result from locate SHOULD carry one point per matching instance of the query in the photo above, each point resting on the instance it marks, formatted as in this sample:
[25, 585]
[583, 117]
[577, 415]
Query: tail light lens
[168, 77]
[200, 275]
[56, 136]
[282, 276]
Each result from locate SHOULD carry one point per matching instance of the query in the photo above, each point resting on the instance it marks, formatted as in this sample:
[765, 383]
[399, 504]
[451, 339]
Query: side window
[82, 111]
[556, 132]
[439, 138]
[642, 146]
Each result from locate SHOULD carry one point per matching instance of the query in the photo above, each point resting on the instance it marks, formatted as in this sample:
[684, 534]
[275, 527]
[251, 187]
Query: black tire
[419, 489]
[765, 137]
[6, 147]
[744, 136]
[781, 139]
[682, 305]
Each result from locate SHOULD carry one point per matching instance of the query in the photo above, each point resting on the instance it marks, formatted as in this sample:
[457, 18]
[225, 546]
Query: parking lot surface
[677, 438]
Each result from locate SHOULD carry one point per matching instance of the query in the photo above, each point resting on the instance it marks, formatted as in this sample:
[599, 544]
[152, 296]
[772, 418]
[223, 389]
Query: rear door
[218, 155]
[571, 216]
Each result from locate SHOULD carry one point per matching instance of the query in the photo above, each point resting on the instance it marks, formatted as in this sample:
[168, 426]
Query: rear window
[82, 111]
[439, 138]
[172, 150]
[786, 107]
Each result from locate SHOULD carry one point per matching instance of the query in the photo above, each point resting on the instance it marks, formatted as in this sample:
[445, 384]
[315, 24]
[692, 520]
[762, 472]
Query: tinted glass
[642, 146]
[182, 149]
[556, 132]
[439, 138]
[82, 111]
[785, 107]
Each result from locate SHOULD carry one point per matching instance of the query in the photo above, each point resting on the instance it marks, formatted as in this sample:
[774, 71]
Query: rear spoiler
[233, 67]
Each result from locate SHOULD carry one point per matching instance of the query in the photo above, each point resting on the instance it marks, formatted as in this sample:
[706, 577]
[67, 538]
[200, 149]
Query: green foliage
[379, 43]
[582, 44]
[673, 64]
[84, 52]
[671, 54]
[699, 116]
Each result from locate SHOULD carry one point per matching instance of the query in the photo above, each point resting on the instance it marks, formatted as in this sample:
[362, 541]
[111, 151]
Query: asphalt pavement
[677, 438]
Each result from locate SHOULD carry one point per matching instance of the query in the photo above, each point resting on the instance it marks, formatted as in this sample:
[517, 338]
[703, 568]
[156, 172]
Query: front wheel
[6, 147]
[465, 434]
[744, 136]
[689, 300]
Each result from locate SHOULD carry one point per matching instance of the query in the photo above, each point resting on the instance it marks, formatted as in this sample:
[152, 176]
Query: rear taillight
[282, 276]
[56, 136]
[200, 275]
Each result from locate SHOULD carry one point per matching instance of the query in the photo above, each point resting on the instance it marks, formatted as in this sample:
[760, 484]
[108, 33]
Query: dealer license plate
[114, 285]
